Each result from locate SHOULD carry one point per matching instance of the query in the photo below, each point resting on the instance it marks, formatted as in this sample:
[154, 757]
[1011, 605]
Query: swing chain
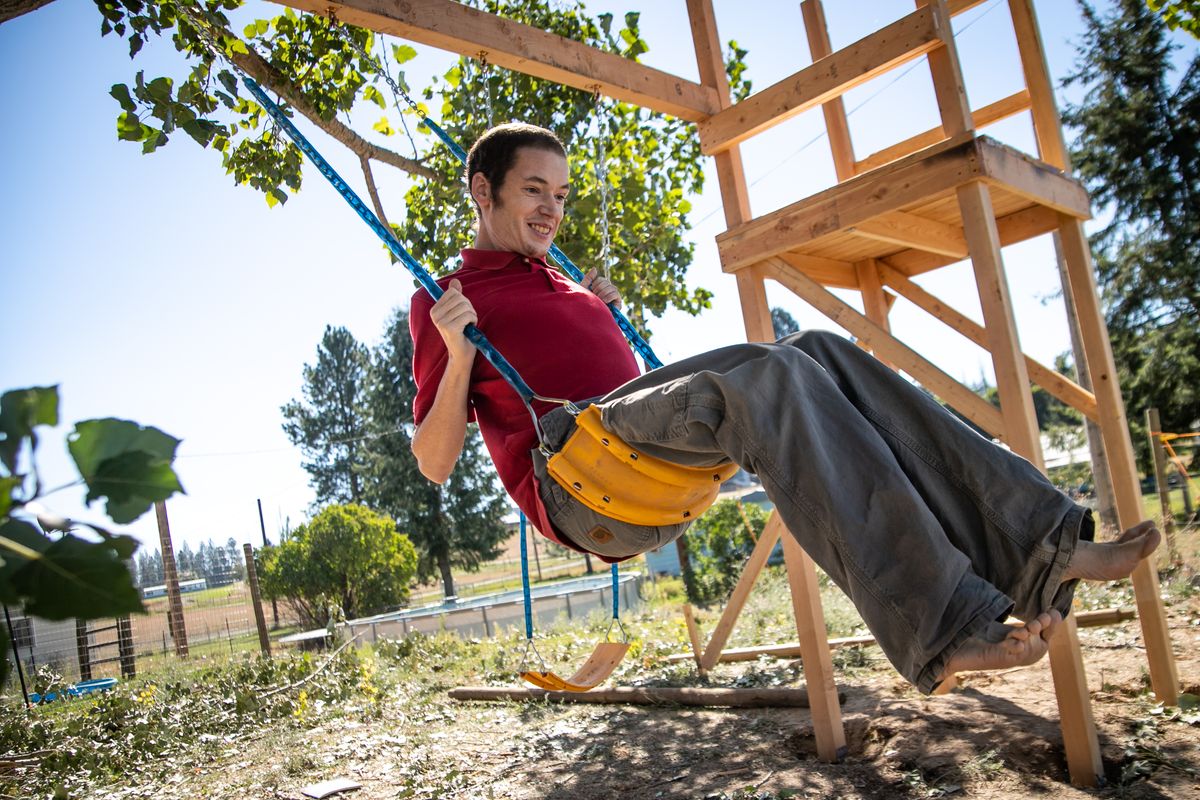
[529, 645]
[602, 181]
[484, 75]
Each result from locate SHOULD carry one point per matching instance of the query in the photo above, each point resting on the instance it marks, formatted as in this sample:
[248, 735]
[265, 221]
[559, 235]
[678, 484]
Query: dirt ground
[997, 737]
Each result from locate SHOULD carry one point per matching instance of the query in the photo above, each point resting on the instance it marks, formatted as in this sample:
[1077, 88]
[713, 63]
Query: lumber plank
[693, 630]
[647, 695]
[990, 114]
[969, 404]
[1084, 619]
[828, 730]
[912, 230]
[944, 68]
[1016, 227]
[825, 271]
[874, 299]
[836, 125]
[902, 41]
[1036, 180]
[1075, 707]
[1000, 326]
[1046, 126]
[467, 31]
[1049, 379]
[1114, 429]
[890, 188]
[737, 599]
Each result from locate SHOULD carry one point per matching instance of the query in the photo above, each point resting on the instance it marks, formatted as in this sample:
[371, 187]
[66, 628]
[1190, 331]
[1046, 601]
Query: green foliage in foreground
[153, 729]
[346, 556]
[121, 462]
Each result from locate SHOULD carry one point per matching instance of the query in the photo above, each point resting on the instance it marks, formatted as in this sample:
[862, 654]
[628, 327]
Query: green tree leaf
[21, 410]
[120, 93]
[126, 463]
[403, 53]
[384, 127]
[20, 544]
[89, 581]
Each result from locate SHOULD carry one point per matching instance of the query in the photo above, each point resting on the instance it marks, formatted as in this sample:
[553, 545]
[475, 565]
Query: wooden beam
[911, 230]
[814, 647]
[467, 31]
[948, 85]
[1075, 706]
[825, 271]
[910, 180]
[1012, 381]
[830, 77]
[874, 299]
[737, 599]
[1114, 428]
[1016, 227]
[990, 114]
[1043, 184]
[969, 404]
[1084, 619]
[1049, 379]
[693, 636]
[647, 695]
[836, 124]
[1046, 126]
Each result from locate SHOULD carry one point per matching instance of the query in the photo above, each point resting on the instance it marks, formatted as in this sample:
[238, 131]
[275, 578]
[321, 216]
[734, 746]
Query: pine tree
[456, 525]
[330, 424]
[1138, 151]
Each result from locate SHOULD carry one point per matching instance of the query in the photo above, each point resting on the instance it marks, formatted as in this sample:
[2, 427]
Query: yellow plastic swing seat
[600, 664]
[615, 479]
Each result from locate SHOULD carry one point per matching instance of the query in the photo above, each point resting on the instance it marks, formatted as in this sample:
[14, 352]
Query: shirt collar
[494, 259]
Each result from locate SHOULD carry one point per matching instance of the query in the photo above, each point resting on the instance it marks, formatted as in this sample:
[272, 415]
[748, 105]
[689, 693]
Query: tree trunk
[443, 561]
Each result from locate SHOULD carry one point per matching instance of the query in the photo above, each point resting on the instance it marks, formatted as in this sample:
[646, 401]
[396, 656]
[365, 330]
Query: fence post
[264, 641]
[174, 603]
[81, 648]
[1154, 430]
[125, 647]
[567, 597]
[487, 626]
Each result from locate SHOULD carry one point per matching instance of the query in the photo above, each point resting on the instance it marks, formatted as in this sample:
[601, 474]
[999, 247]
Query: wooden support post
[874, 301]
[1046, 126]
[82, 651]
[1016, 402]
[125, 649]
[1115, 429]
[1075, 706]
[737, 599]
[260, 619]
[171, 577]
[1153, 431]
[836, 125]
[693, 630]
[814, 646]
[731, 177]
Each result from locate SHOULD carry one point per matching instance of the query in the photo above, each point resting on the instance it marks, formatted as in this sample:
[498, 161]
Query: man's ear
[481, 189]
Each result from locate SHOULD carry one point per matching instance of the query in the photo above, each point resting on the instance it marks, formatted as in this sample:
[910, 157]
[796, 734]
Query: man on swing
[936, 534]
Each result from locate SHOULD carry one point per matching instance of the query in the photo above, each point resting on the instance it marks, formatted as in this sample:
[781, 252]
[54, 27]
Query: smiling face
[523, 215]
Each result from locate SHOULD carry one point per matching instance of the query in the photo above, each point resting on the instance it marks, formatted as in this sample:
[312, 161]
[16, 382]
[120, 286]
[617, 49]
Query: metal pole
[263, 526]
[17, 659]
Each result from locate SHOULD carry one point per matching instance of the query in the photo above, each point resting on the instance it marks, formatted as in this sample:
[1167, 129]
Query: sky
[152, 288]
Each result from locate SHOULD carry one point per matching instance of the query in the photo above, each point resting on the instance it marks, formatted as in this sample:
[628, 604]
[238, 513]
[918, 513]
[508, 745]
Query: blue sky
[152, 288]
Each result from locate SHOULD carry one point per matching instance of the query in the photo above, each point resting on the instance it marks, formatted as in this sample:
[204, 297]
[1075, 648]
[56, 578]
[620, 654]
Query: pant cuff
[1057, 593]
[998, 609]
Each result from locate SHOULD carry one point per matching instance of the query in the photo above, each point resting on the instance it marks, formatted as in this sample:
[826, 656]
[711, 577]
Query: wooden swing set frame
[934, 199]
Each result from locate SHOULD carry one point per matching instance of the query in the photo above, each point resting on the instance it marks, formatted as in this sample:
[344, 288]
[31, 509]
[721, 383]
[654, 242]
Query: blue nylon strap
[616, 602]
[525, 581]
[635, 339]
[476, 337]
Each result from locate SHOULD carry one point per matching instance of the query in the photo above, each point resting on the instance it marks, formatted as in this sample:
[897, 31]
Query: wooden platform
[907, 213]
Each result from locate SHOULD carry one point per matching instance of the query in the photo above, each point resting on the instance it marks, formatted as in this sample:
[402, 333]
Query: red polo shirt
[560, 337]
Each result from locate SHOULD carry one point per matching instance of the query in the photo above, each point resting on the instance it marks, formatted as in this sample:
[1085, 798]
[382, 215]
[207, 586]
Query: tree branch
[371, 190]
[258, 68]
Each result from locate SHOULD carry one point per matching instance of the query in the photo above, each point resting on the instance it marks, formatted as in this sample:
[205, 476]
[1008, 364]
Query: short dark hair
[495, 151]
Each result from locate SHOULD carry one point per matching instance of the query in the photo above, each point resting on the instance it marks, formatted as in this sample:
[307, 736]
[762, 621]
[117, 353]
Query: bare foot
[1110, 561]
[1023, 646]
